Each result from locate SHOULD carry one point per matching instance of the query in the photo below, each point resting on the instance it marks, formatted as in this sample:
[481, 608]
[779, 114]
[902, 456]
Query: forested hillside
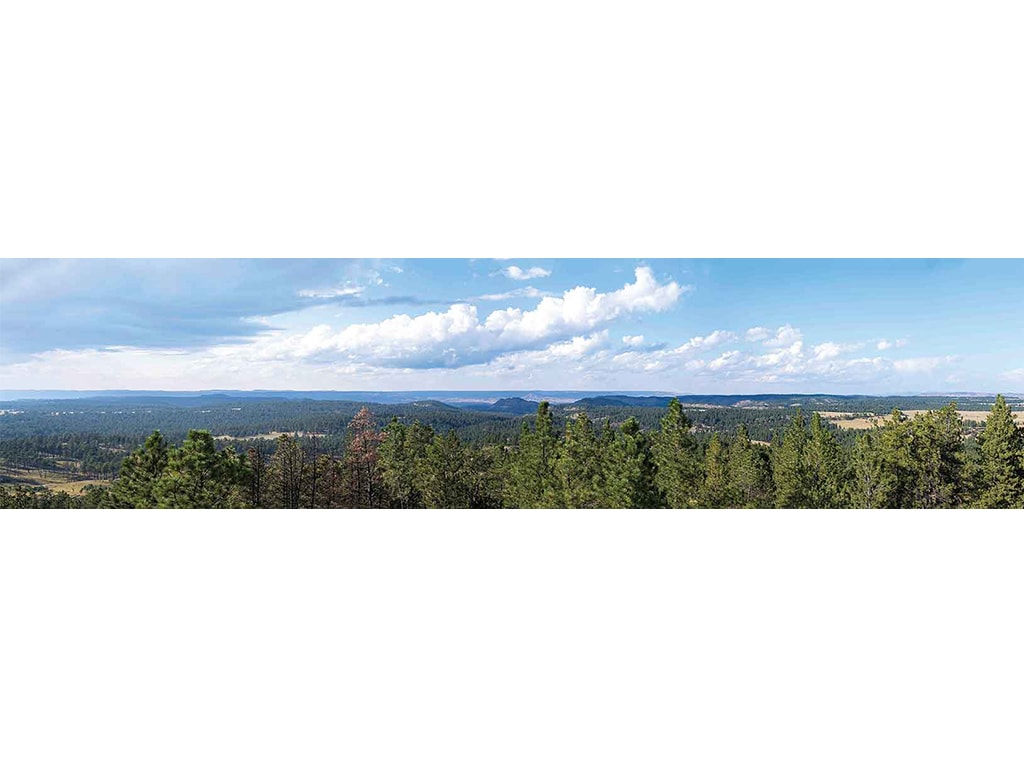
[586, 457]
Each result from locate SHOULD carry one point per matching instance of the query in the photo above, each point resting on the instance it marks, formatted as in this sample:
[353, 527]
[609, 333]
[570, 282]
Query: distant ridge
[513, 405]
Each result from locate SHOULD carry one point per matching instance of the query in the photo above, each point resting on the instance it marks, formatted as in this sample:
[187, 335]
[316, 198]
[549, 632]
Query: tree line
[924, 461]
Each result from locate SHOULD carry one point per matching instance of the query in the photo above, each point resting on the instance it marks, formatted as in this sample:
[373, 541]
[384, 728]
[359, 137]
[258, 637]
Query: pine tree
[257, 461]
[895, 443]
[332, 490]
[747, 473]
[484, 475]
[395, 465]
[360, 460]
[675, 455]
[788, 466]
[314, 467]
[884, 468]
[870, 484]
[401, 462]
[578, 465]
[715, 493]
[197, 475]
[285, 474]
[938, 457]
[532, 472]
[444, 474]
[629, 470]
[824, 468]
[135, 486]
[1002, 459]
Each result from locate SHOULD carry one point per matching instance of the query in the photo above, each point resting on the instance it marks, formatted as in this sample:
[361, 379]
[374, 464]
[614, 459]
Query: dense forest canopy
[776, 451]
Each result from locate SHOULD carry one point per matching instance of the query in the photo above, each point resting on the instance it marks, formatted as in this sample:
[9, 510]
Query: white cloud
[884, 344]
[518, 273]
[830, 350]
[827, 351]
[529, 292]
[785, 336]
[578, 349]
[757, 334]
[459, 336]
[662, 359]
[922, 364]
[725, 360]
[633, 341]
[1016, 375]
[713, 339]
[351, 287]
[348, 289]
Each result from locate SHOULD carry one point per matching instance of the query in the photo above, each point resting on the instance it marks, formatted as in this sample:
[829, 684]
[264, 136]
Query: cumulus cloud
[725, 360]
[884, 344]
[713, 339]
[460, 336]
[518, 273]
[663, 359]
[830, 350]
[785, 359]
[784, 336]
[633, 341]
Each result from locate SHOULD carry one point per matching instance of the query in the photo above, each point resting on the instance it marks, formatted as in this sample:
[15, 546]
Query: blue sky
[683, 325]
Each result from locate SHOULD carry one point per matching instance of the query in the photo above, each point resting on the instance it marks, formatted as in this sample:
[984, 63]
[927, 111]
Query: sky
[841, 326]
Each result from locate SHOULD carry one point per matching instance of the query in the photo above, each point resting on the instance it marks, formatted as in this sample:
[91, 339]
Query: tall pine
[533, 482]
[629, 470]
[578, 465]
[789, 469]
[716, 491]
[675, 456]
[1002, 459]
[135, 486]
[748, 476]
[825, 471]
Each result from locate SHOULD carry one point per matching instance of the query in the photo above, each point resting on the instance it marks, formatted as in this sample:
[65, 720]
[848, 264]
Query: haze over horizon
[737, 326]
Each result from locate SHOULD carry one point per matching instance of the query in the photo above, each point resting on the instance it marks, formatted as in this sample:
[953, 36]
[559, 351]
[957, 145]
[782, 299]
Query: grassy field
[861, 421]
[269, 436]
[44, 478]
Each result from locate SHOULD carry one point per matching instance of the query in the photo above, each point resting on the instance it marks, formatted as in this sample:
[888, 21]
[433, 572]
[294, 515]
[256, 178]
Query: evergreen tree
[715, 493]
[315, 468]
[360, 460]
[395, 465]
[884, 467]
[257, 461]
[1002, 459]
[135, 486]
[629, 470]
[938, 454]
[444, 485]
[895, 444]
[747, 473]
[871, 485]
[532, 471]
[484, 475]
[332, 491]
[789, 469]
[197, 475]
[578, 465]
[286, 473]
[825, 471]
[675, 455]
